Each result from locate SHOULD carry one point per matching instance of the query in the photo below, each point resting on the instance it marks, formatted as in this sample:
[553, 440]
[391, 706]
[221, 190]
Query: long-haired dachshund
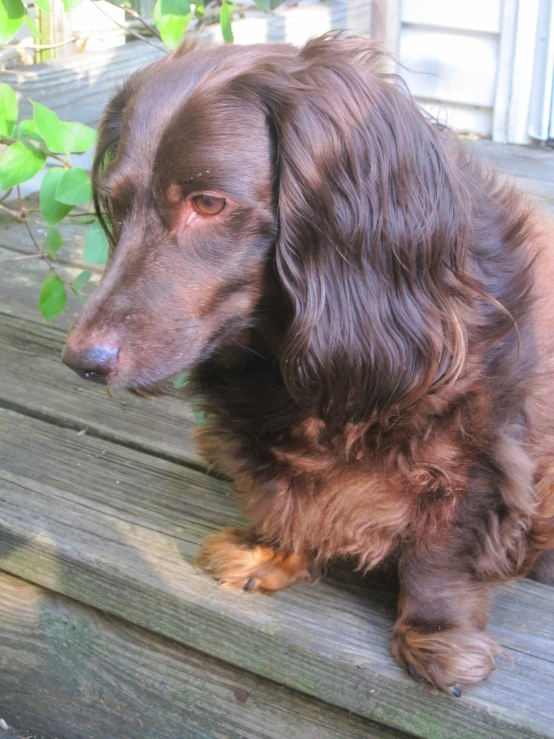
[367, 316]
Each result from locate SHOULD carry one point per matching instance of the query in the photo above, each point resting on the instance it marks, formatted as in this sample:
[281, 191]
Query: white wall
[483, 66]
[450, 51]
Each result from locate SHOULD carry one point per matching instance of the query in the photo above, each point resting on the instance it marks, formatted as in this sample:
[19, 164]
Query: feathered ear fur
[373, 233]
[109, 134]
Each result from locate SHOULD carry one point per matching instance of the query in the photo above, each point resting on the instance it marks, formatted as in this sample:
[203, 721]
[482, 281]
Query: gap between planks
[70, 671]
[35, 382]
[121, 532]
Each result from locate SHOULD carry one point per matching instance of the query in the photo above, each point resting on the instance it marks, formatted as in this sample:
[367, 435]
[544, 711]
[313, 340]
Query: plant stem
[11, 212]
[23, 256]
[19, 46]
[42, 253]
[8, 141]
[130, 30]
[22, 211]
[134, 14]
[65, 162]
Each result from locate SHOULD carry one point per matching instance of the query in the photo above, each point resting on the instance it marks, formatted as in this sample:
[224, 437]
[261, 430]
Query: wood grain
[20, 283]
[79, 87]
[71, 672]
[33, 380]
[115, 517]
[119, 530]
[15, 237]
[519, 161]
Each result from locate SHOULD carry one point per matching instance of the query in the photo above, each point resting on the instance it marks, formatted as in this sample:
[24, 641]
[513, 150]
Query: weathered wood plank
[119, 530]
[78, 87]
[518, 161]
[531, 170]
[20, 282]
[33, 380]
[15, 237]
[69, 671]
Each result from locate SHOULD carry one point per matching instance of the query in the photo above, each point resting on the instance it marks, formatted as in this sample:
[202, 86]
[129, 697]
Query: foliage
[31, 146]
[172, 18]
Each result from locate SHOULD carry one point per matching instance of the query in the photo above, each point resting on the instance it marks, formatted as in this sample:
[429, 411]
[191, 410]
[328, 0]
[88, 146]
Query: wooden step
[80, 674]
[34, 380]
[118, 529]
[113, 519]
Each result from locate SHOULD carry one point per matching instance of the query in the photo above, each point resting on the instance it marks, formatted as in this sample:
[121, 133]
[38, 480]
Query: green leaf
[199, 8]
[268, 5]
[180, 380]
[96, 244]
[52, 242]
[11, 19]
[172, 18]
[26, 129]
[32, 26]
[44, 5]
[82, 137]
[227, 10]
[20, 162]
[71, 4]
[74, 187]
[56, 135]
[52, 297]
[52, 210]
[81, 280]
[62, 137]
[8, 109]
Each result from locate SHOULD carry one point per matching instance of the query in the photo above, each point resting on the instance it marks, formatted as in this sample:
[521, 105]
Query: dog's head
[224, 168]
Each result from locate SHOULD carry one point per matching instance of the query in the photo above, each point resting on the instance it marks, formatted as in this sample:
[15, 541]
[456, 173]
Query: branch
[135, 14]
[21, 46]
[23, 256]
[8, 142]
[11, 213]
[43, 254]
[130, 30]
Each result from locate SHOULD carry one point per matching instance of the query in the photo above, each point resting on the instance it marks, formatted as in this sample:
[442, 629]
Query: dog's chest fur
[312, 491]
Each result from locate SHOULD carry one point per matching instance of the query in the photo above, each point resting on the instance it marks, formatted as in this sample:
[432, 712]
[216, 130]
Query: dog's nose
[93, 362]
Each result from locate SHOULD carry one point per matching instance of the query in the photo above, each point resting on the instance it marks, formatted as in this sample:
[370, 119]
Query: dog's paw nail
[413, 674]
[455, 691]
[250, 585]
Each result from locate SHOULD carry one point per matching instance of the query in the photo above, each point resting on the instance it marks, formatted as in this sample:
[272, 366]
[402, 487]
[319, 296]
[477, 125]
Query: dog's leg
[238, 559]
[439, 635]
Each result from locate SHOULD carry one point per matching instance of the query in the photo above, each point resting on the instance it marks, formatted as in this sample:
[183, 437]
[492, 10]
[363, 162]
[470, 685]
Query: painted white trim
[482, 16]
[522, 71]
[504, 77]
[543, 74]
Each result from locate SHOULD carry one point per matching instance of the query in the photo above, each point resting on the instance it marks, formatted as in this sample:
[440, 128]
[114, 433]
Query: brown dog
[368, 318]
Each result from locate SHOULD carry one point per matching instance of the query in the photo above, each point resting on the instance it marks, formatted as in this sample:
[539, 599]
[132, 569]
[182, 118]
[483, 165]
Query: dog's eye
[207, 205]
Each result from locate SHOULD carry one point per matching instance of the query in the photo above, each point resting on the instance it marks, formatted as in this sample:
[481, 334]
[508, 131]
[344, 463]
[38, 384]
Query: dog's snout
[94, 363]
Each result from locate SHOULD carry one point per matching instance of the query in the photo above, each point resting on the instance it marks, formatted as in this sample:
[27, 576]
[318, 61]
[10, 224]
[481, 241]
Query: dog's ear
[111, 133]
[373, 232]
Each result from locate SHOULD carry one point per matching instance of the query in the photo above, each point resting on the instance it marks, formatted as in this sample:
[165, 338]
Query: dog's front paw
[237, 560]
[449, 660]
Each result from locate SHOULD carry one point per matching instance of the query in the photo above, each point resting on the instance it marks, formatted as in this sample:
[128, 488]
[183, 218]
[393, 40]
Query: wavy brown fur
[369, 325]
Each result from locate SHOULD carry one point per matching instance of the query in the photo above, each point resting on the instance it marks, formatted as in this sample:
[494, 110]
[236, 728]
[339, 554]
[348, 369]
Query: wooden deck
[106, 629]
